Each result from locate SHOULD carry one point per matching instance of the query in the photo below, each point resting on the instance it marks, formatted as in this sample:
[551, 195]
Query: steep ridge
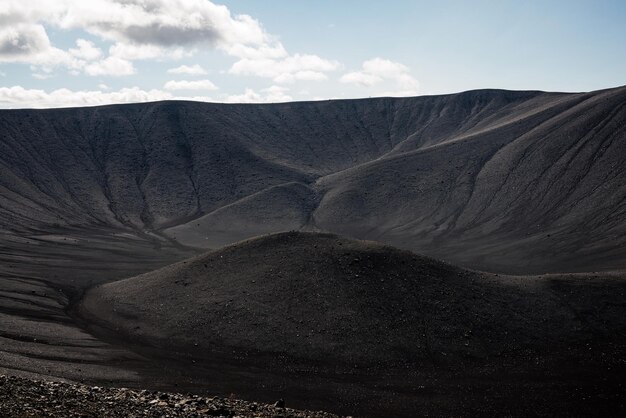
[151, 163]
[542, 193]
[449, 175]
[284, 207]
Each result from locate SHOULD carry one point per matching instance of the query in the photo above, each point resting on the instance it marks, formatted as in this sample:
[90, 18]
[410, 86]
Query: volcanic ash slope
[319, 297]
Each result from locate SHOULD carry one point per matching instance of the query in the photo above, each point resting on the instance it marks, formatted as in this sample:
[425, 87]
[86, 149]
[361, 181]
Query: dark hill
[366, 329]
[321, 298]
[500, 180]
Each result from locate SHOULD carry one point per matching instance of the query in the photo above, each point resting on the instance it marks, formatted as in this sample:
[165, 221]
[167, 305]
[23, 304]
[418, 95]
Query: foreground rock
[27, 398]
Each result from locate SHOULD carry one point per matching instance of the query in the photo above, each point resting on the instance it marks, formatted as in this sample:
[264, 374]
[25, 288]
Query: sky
[57, 53]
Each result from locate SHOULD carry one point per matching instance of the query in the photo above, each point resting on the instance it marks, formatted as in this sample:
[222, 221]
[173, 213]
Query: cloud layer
[195, 69]
[190, 85]
[17, 97]
[377, 70]
[146, 29]
[114, 37]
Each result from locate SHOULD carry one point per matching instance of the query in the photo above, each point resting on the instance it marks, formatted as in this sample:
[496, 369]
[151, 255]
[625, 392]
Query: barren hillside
[500, 180]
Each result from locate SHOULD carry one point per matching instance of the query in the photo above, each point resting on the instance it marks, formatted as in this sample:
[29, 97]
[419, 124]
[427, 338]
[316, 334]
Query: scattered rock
[28, 398]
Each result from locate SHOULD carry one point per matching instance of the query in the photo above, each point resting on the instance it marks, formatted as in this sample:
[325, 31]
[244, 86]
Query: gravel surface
[29, 398]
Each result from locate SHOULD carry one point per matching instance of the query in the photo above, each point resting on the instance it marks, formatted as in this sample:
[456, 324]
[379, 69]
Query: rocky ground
[30, 398]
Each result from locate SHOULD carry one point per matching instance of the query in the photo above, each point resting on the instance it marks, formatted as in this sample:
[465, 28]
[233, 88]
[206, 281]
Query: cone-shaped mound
[320, 297]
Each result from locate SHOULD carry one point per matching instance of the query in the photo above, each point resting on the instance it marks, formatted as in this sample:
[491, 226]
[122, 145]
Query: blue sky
[76, 52]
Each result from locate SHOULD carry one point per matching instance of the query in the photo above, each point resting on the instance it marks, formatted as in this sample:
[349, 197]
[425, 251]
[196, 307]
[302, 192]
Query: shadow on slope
[279, 208]
[319, 297]
[330, 312]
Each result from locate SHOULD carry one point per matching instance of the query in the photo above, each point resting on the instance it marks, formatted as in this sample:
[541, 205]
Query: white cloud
[190, 85]
[112, 66]
[361, 78]
[23, 40]
[286, 70]
[29, 43]
[306, 75]
[276, 94]
[143, 52]
[135, 52]
[19, 97]
[384, 68]
[132, 25]
[271, 94]
[249, 96]
[186, 69]
[148, 29]
[85, 50]
[378, 70]
[157, 22]
[103, 86]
